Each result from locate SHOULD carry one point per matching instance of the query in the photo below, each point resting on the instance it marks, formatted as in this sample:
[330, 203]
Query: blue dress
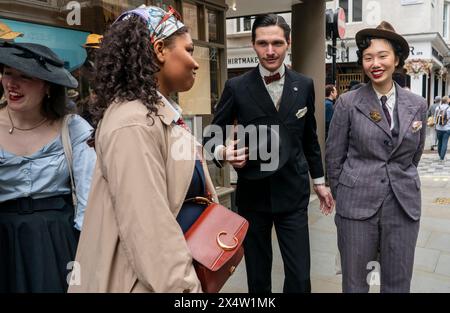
[189, 212]
[38, 229]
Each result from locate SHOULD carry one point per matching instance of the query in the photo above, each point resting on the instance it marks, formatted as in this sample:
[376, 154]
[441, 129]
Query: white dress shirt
[275, 89]
[390, 103]
[172, 105]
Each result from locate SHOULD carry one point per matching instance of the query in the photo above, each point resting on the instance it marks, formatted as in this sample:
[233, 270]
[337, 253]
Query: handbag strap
[67, 146]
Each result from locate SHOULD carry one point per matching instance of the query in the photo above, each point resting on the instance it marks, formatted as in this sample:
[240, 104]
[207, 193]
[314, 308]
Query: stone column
[416, 84]
[308, 53]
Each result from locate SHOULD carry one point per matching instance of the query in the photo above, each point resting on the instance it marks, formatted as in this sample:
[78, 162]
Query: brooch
[375, 116]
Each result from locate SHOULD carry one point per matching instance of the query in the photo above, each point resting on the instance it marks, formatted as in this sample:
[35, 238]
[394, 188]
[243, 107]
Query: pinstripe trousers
[392, 234]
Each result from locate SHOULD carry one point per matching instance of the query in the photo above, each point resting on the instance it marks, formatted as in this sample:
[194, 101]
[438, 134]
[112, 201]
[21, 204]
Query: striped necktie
[383, 100]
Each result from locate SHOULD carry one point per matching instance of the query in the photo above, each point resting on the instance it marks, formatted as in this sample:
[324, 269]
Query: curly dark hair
[125, 67]
[54, 106]
[395, 46]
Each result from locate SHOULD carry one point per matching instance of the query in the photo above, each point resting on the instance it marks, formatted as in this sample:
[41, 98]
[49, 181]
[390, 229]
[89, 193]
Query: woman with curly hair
[148, 163]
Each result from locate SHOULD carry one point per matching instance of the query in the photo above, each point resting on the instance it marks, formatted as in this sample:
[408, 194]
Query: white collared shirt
[171, 105]
[390, 103]
[275, 89]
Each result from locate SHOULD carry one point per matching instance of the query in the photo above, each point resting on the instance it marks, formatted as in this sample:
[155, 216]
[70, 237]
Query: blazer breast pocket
[296, 118]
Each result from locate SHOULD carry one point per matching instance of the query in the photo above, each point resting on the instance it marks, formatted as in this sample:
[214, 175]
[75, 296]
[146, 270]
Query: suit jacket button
[383, 181]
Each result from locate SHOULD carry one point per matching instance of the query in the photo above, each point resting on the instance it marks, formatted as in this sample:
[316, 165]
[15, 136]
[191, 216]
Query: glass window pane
[344, 4]
[212, 26]
[198, 99]
[164, 4]
[214, 76]
[238, 25]
[190, 18]
[357, 10]
[445, 26]
[247, 23]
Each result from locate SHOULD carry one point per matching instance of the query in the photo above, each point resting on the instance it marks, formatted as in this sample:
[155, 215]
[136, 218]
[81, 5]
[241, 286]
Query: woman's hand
[325, 197]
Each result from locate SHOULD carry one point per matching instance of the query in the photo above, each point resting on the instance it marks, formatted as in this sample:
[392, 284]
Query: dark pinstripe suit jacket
[363, 159]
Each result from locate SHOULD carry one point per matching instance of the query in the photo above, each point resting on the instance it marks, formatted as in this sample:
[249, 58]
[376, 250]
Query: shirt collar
[390, 93]
[265, 72]
[172, 106]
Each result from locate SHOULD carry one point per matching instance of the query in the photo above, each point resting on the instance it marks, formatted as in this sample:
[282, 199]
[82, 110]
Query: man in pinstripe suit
[374, 146]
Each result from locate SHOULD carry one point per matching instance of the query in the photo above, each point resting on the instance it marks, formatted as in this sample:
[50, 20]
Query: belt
[29, 205]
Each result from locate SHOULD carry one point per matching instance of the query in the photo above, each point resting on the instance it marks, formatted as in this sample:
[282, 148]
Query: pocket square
[416, 126]
[300, 113]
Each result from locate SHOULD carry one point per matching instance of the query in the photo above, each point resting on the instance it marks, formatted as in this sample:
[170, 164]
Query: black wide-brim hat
[277, 136]
[383, 31]
[36, 61]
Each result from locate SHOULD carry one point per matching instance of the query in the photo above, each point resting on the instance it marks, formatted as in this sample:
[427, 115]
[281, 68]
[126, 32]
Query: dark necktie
[385, 110]
[272, 78]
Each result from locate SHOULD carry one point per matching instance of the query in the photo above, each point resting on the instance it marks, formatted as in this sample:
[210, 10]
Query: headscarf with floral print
[160, 23]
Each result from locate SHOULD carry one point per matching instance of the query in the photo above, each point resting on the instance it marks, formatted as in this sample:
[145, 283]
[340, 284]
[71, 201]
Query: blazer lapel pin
[301, 112]
[375, 116]
[416, 126]
[295, 89]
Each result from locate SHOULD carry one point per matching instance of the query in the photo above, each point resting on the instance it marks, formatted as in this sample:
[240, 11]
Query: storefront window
[353, 10]
[214, 70]
[445, 21]
[212, 26]
[66, 43]
[247, 23]
[198, 99]
[164, 4]
[190, 18]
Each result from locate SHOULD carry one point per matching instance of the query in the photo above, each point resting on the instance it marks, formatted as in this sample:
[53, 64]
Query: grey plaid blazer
[363, 159]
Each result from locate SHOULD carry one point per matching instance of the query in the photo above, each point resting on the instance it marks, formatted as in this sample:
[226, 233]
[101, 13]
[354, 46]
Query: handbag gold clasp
[226, 247]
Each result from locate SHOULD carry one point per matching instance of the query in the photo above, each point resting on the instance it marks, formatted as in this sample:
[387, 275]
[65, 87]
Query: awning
[66, 43]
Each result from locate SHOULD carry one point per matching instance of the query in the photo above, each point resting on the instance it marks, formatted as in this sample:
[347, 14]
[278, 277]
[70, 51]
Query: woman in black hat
[39, 225]
[375, 142]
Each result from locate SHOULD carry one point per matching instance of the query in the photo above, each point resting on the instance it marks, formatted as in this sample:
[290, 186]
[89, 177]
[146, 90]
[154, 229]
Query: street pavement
[432, 257]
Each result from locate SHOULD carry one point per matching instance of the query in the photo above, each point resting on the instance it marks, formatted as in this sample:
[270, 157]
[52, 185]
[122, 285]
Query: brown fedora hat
[384, 31]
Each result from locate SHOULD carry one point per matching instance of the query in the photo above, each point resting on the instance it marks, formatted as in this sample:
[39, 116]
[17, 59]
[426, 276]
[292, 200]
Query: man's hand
[236, 157]
[325, 197]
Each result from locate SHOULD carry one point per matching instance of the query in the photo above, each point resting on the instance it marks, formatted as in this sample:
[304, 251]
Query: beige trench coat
[131, 241]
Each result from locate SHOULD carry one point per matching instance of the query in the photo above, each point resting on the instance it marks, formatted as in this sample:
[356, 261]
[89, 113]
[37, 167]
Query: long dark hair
[125, 67]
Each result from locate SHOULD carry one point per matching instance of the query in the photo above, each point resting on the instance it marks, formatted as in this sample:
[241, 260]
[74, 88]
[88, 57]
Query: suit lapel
[289, 96]
[259, 93]
[406, 112]
[369, 104]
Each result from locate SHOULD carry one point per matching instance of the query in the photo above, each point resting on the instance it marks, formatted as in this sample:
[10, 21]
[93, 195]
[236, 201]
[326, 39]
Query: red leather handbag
[215, 240]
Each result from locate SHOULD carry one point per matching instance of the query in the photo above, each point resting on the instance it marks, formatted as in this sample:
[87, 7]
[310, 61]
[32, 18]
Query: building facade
[423, 23]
